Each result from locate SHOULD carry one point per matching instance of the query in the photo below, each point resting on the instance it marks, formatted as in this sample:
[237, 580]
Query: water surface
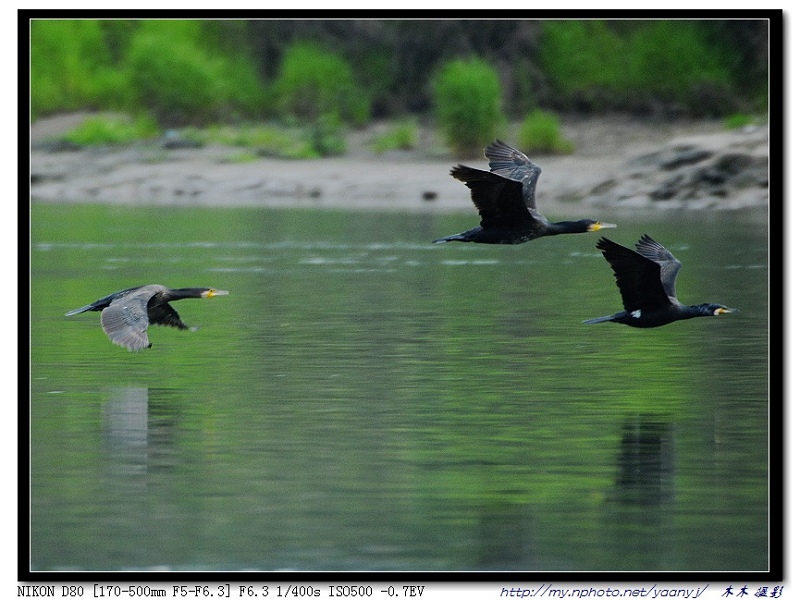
[366, 400]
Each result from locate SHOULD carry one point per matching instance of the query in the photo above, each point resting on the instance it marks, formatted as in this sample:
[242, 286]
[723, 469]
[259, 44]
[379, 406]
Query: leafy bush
[327, 136]
[600, 64]
[66, 58]
[174, 78]
[312, 82]
[541, 133]
[581, 55]
[401, 136]
[468, 101]
[175, 71]
[670, 57]
[114, 129]
[738, 120]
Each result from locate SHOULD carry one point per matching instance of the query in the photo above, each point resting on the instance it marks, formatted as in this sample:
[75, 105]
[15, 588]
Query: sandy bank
[617, 162]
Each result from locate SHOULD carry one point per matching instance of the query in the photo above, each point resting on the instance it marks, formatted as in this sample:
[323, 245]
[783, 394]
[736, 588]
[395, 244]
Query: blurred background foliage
[467, 96]
[471, 76]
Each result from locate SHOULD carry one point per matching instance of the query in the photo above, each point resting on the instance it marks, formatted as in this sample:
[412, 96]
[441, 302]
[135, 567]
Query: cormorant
[506, 201]
[127, 313]
[646, 281]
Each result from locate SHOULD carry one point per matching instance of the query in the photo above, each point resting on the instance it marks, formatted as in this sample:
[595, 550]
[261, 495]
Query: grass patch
[293, 141]
[261, 140]
[739, 120]
[401, 136]
[112, 129]
[246, 156]
[541, 133]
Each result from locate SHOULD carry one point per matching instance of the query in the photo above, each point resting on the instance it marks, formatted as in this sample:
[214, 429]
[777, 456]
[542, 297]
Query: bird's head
[713, 310]
[210, 293]
[597, 225]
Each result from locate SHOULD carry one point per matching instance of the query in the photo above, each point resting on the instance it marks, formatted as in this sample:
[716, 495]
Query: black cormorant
[506, 201]
[126, 314]
[646, 281]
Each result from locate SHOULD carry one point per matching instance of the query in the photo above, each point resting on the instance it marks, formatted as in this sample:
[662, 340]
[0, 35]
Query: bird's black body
[126, 314]
[505, 198]
[646, 280]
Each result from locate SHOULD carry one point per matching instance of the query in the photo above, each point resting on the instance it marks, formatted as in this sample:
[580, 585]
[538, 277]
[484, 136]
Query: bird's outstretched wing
[125, 321]
[102, 302]
[511, 163]
[164, 314]
[498, 199]
[670, 266]
[638, 277]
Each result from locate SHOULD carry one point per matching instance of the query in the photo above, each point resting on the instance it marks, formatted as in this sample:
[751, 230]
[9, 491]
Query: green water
[366, 400]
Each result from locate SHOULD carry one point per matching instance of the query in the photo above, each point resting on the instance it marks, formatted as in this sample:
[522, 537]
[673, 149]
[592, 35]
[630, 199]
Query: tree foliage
[199, 70]
[313, 82]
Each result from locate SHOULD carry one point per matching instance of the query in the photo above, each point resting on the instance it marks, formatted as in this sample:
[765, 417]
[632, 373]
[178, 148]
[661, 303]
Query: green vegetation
[112, 129]
[172, 70]
[258, 139]
[201, 72]
[737, 120]
[312, 82]
[69, 66]
[323, 138]
[581, 57]
[468, 101]
[598, 64]
[178, 80]
[246, 156]
[327, 135]
[672, 57]
[541, 133]
[401, 136]
[173, 79]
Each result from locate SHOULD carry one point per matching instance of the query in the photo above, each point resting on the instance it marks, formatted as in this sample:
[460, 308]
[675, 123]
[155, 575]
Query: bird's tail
[458, 237]
[600, 319]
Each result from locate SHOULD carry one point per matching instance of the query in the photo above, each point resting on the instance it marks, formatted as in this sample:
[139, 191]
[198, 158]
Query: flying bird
[506, 201]
[646, 280]
[126, 314]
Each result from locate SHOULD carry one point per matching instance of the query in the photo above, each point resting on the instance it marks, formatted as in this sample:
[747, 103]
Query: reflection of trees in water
[638, 511]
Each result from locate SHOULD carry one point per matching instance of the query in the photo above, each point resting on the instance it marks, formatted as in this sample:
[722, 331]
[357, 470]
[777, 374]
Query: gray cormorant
[127, 313]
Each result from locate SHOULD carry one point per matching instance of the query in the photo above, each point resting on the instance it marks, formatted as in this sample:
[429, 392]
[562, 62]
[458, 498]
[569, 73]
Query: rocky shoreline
[617, 163]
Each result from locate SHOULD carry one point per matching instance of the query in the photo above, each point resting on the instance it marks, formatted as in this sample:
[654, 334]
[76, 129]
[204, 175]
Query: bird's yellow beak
[212, 293]
[722, 311]
[597, 225]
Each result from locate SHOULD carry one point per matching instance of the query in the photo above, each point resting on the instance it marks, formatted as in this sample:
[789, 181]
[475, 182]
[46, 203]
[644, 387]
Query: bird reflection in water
[141, 427]
[646, 461]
